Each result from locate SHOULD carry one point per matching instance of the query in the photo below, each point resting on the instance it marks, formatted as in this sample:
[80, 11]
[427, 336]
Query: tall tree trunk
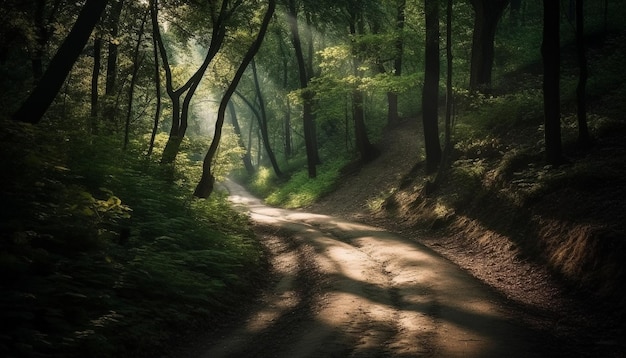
[310, 71]
[133, 80]
[583, 129]
[449, 93]
[180, 112]
[38, 102]
[157, 81]
[287, 117]
[310, 142]
[263, 123]
[392, 97]
[207, 181]
[287, 131]
[430, 93]
[95, 75]
[247, 162]
[487, 14]
[447, 146]
[366, 150]
[110, 109]
[550, 51]
[114, 29]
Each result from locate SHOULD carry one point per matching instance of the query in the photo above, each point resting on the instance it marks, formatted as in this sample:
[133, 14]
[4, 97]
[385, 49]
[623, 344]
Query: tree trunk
[447, 146]
[180, 113]
[114, 26]
[583, 129]
[207, 181]
[449, 93]
[287, 118]
[263, 122]
[392, 97]
[36, 105]
[310, 74]
[247, 162]
[133, 80]
[550, 51]
[157, 81]
[430, 93]
[487, 15]
[310, 141]
[95, 76]
[287, 131]
[366, 150]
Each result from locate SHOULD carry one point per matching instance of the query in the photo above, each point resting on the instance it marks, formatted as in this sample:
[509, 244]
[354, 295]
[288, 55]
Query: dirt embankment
[343, 289]
[557, 252]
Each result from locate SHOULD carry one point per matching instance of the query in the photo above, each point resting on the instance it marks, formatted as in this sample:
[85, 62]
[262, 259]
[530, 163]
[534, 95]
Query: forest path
[350, 290]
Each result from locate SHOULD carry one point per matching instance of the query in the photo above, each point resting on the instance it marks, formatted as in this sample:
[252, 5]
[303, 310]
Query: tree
[449, 93]
[157, 78]
[180, 111]
[263, 121]
[114, 28]
[310, 140]
[133, 78]
[207, 180]
[583, 129]
[392, 97]
[247, 162]
[356, 24]
[95, 76]
[550, 52]
[487, 14]
[37, 103]
[430, 93]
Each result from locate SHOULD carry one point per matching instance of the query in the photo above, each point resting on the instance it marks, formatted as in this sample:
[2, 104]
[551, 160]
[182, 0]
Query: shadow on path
[351, 290]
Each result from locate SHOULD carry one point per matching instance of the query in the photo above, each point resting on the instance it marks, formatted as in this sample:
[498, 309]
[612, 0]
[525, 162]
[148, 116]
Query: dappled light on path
[351, 290]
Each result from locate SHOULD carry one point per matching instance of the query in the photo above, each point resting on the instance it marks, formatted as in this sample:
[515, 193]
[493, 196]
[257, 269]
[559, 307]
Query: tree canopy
[121, 118]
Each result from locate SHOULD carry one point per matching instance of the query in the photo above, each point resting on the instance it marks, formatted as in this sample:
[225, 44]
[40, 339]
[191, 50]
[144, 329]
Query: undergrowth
[299, 190]
[104, 253]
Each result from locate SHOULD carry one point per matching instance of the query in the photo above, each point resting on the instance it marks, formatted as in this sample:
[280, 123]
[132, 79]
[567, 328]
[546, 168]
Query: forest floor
[362, 278]
[344, 289]
[494, 242]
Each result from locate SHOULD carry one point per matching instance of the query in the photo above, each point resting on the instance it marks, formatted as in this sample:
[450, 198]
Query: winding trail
[352, 290]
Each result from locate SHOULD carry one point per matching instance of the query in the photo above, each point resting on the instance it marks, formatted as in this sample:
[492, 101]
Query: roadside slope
[351, 290]
[489, 237]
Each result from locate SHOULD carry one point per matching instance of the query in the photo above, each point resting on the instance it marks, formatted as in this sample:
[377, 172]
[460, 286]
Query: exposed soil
[435, 282]
[486, 249]
[342, 289]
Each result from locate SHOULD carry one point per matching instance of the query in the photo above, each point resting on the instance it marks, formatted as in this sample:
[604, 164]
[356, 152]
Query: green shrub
[103, 253]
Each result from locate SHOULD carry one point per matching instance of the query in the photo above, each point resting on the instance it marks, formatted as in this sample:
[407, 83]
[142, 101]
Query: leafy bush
[485, 114]
[103, 253]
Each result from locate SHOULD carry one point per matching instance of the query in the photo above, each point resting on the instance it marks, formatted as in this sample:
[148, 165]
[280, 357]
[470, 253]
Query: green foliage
[487, 114]
[103, 253]
[300, 190]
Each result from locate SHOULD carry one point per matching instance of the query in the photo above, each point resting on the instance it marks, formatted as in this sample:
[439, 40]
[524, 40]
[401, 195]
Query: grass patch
[299, 190]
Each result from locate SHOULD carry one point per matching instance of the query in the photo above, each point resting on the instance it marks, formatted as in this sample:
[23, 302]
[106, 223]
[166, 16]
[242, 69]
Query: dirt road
[351, 290]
